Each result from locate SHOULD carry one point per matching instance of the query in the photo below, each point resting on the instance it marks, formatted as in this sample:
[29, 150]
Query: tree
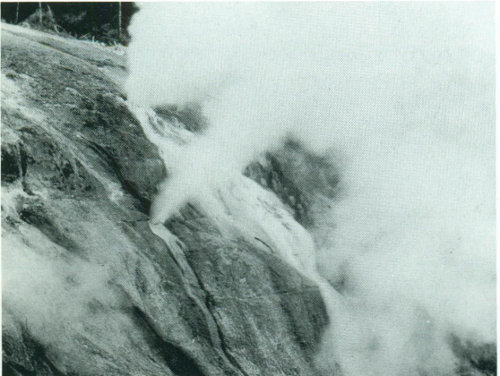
[104, 21]
[119, 22]
[17, 13]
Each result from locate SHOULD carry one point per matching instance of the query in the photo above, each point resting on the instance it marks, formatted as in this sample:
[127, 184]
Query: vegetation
[105, 22]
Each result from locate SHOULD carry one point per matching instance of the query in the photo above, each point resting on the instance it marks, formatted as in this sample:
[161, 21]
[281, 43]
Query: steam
[401, 97]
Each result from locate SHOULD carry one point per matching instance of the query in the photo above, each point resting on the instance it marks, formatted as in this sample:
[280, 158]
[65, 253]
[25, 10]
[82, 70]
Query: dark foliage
[86, 20]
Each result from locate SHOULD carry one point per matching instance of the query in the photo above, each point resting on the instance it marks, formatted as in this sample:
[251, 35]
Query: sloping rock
[88, 288]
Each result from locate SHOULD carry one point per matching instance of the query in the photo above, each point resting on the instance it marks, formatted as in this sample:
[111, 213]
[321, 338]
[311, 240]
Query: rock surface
[88, 288]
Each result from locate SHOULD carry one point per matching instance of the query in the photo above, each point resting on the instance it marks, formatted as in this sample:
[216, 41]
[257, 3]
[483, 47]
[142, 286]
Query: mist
[400, 97]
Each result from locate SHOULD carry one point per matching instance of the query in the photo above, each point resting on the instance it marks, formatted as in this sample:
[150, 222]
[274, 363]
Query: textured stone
[88, 288]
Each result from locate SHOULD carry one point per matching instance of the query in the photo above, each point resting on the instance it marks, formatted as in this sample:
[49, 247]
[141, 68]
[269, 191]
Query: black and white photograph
[266, 188]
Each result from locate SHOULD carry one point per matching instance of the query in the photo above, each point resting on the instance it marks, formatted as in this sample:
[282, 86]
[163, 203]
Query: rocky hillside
[91, 288]
[88, 288]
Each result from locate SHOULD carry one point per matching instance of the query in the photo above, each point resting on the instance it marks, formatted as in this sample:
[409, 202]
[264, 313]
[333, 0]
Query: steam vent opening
[248, 188]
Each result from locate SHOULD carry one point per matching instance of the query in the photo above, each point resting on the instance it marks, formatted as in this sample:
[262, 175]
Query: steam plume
[403, 95]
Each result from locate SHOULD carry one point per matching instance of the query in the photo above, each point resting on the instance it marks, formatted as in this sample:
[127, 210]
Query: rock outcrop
[88, 288]
[91, 288]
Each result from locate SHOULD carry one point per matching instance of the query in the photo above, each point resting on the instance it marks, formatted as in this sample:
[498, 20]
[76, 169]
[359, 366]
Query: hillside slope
[88, 288]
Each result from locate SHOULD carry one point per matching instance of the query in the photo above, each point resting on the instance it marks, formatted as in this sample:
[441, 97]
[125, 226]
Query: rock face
[88, 288]
[297, 177]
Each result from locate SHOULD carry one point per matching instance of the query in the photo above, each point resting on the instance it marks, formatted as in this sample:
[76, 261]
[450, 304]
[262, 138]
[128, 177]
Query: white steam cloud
[401, 96]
